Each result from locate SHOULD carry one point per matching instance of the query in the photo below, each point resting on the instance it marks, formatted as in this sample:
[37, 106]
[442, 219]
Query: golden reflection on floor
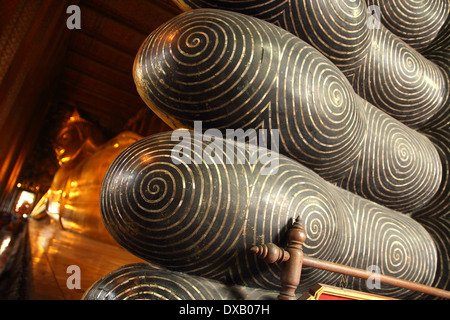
[53, 250]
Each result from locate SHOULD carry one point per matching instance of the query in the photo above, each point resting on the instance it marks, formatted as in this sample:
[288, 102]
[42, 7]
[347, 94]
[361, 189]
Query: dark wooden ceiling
[96, 76]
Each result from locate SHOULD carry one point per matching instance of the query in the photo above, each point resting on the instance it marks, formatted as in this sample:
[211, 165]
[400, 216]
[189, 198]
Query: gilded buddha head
[76, 136]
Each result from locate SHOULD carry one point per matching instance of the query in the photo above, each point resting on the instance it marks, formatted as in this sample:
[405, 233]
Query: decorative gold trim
[319, 289]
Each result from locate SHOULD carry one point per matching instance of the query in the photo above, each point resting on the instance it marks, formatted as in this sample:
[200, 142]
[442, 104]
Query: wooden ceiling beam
[105, 104]
[143, 16]
[106, 120]
[83, 81]
[96, 50]
[110, 31]
[112, 79]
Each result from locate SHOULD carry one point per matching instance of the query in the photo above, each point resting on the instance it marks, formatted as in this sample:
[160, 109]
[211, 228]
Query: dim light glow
[54, 208]
[73, 194]
[25, 196]
[69, 207]
[5, 243]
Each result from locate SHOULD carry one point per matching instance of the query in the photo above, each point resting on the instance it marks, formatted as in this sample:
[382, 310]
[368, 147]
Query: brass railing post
[292, 258]
[293, 261]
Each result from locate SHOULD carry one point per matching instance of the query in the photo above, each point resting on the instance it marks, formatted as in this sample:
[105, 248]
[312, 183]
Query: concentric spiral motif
[231, 71]
[202, 217]
[435, 216]
[418, 23]
[425, 26]
[439, 229]
[439, 205]
[382, 68]
[146, 282]
[439, 53]
[433, 41]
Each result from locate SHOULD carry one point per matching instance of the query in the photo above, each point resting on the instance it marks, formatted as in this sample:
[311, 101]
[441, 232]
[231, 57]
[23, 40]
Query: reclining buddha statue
[84, 157]
[355, 143]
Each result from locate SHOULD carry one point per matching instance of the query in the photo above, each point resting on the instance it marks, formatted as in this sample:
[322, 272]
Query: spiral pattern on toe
[439, 205]
[363, 39]
[395, 246]
[401, 170]
[415, 22]
[202, 217]
[145, 282]
[230, 71]
[197, 59]
[316, 112]
[439, 229]
[402, 83]
[156, 193]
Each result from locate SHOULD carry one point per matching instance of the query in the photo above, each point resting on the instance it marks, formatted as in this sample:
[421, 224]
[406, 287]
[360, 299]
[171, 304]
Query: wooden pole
[363, 274]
